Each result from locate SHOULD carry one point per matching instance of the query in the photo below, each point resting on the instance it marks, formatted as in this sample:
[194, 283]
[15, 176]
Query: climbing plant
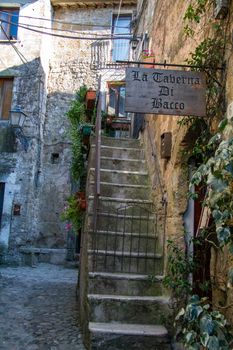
[202, 328]
[77, 116]
[212, 150]
[217, 174]
[198, 325]
[180, 266]
[72, 214]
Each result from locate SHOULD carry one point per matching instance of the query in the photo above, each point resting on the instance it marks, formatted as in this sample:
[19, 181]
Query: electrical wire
[66, 30]
[68, 36]
[118, 14]
[21, 56]
[62, 22]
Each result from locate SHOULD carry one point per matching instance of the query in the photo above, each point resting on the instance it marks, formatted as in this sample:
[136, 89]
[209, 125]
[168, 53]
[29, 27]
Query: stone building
[39, 74]
[164, 24]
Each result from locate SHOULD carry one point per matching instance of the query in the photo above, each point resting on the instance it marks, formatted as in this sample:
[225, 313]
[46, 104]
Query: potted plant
[81, 200]
[86, 129]
[148, 56]
[90, 99]
[72, 213]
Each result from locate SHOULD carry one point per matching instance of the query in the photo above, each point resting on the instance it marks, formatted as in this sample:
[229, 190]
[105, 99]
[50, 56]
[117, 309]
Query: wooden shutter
[2, 187]
[6, 98]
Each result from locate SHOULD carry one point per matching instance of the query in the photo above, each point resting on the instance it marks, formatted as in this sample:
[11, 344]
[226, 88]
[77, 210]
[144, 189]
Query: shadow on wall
[17, 167]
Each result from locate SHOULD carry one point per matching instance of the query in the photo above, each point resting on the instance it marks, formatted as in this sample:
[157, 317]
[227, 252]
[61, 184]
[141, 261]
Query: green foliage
[77, 115]
[217, 173]
[179, 268]
[72, 213]
[202, 328]
[193, 14]
[77, 167]
[209, 53]
[214, 157]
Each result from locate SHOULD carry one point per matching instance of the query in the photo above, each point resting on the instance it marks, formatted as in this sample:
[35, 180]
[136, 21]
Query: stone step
[123, 164]
[128, 309]
[122, 336]
[126, 220]
[125, 284]
[122, 142]
[118, 190]
[125, 241]
[117, 203]
[130, 262]
[121, 176]
[119, 152]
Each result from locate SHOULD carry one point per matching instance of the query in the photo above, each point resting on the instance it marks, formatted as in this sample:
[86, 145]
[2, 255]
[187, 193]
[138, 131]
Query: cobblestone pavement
[38, 308]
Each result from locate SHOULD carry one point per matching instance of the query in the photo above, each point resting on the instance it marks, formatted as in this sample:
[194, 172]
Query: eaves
[93, 3]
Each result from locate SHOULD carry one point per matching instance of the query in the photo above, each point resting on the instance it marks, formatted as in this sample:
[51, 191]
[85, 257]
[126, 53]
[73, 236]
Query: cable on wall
[63, 22]
[111, 37]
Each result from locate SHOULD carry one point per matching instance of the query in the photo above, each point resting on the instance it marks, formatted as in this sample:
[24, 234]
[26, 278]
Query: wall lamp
[134, 42]
[17, 120]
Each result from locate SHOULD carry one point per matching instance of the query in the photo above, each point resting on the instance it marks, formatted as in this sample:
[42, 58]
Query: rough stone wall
[44, 85]
[70, 68]
[20, 175]
[168, 42]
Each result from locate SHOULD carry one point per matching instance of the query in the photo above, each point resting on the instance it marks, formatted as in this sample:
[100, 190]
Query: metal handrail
[97, 159]
[154, 155]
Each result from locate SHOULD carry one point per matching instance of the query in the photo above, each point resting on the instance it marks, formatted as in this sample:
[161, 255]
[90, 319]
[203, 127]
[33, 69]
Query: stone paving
[38, 308]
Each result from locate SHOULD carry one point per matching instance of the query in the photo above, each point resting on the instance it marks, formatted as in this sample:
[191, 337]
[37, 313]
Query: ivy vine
[199, 327]
[77, 115]
[212, 152]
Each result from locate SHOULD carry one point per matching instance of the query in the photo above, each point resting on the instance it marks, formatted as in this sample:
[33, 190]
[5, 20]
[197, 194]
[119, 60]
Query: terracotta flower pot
[90, 99]
[83, 204]
[81, 198]
[149, 59]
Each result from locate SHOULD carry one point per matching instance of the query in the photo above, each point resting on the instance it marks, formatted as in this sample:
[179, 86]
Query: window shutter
[6, 99]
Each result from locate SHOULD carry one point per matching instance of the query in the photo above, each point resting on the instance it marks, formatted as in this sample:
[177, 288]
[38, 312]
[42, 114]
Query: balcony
[106, 53]
[94, 3]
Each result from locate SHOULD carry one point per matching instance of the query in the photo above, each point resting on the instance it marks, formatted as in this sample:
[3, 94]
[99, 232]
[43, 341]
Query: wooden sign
[162, 91]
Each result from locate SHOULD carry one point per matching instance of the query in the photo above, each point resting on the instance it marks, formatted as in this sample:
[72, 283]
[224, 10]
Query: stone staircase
[121, 293]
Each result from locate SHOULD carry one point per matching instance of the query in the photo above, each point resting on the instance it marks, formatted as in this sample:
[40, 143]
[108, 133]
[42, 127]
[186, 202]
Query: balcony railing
[106, 53]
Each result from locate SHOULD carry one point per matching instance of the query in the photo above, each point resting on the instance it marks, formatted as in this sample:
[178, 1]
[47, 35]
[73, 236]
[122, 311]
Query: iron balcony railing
[107, 52]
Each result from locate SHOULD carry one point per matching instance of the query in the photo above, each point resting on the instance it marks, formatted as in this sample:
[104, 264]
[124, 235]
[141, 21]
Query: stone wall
[168, 42]
[53, 69]
[29, 94]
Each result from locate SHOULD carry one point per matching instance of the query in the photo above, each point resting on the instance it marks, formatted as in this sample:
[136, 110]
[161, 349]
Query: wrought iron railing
[128, 240]
[105, 53]
[97, 158]
[154, 154]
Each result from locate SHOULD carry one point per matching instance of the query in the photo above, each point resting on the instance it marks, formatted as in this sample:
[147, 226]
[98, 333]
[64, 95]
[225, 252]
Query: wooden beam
[84, 3]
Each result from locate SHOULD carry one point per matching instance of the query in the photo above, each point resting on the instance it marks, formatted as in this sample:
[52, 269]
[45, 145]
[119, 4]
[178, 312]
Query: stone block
[128, 309]
[126, 262]
[125, 284]
[118, 190]
[109, 336]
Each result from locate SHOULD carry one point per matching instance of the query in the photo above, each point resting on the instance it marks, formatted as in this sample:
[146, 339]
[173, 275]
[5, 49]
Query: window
[120, 47]
[6, 85]
[2, 189]
[116, 104]
[8, 23]
[55, 158]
